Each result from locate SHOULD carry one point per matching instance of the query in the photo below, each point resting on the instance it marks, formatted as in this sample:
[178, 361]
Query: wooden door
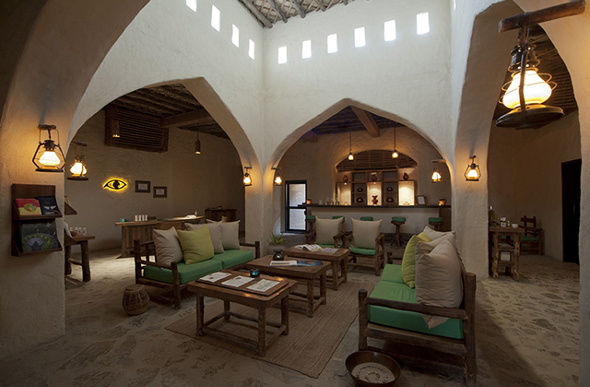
[570, 197]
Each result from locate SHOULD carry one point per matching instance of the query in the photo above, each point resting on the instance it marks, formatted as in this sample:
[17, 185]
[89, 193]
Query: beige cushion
[433, 234]
[326, 229]
[438, 280]
[427, 247]
[230, 234]
[214, 231]
[364, 232]
[168, 248]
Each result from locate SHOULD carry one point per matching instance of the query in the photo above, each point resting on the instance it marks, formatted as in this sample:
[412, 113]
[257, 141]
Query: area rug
[311, 341]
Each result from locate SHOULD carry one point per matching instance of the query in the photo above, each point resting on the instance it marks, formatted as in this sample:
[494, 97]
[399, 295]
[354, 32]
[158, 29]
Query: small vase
[278, 256]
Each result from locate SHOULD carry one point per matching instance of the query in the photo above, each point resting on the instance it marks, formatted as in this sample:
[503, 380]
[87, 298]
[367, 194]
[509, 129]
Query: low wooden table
[513, 248]
[307, 274]
[81, 240]
[339, 259]
[241, 295]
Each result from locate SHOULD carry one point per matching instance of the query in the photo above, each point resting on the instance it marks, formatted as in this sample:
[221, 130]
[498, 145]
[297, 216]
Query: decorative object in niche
[359, 189]
[375, 200]
[442, 202]
[406, 176]
[359, 200]
[389, 189]
[389, 199]
[345, 179]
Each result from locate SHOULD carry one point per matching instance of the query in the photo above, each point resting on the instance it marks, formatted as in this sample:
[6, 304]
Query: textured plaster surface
[193, 182]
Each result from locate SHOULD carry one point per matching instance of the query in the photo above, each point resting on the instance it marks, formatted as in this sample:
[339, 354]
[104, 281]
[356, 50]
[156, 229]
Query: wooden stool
[135, 300]
[310, 220]
[397, 221]
[435, 223]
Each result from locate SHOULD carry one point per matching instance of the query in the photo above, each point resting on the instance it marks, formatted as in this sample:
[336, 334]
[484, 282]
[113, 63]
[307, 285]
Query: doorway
[570, 209]
[296, 191]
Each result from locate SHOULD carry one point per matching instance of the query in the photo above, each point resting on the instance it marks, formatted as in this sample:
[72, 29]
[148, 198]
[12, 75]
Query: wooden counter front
[131, 231]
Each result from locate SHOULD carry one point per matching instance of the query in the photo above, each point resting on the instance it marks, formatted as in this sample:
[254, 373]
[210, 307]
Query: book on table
[313, 247]
[283, 263]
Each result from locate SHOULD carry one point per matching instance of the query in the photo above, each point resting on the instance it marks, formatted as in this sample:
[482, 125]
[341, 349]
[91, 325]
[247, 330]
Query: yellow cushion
[196, 245]
[409, 259]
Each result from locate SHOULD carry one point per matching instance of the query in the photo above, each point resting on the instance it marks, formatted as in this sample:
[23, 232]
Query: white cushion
[433, 234]
[438, 280]
[168, 248]
[214, 231]
[427, 247]
[364, 232]
[230, 234]
[326, 229]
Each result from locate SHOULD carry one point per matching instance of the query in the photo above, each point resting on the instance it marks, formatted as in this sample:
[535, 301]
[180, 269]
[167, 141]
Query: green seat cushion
[435, 220]
[186, 273]
[409, 259]
[231, 258]
[398, 219]
[361, 251]
[366, 218]
[328, 246]
[526, 238]
[337, 216]
[310, 217]
[402, 319]
[393, 273]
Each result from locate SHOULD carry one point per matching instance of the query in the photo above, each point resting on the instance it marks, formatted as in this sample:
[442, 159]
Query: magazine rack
[30, 191]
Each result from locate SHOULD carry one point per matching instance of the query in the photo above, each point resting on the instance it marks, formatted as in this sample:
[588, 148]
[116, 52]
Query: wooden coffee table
[339, 259]
[241, 295]
[307, 274]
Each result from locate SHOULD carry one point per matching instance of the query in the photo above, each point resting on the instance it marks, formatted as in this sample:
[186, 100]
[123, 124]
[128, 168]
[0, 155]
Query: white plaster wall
[194, 182]
[316, 162]
[525, 166]
[402, 79]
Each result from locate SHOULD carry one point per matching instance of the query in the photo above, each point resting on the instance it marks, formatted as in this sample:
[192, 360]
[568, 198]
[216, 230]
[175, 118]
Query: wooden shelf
[30, 191]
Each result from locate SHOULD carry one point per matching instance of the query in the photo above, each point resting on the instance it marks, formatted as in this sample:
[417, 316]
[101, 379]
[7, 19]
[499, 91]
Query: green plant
[276, 239]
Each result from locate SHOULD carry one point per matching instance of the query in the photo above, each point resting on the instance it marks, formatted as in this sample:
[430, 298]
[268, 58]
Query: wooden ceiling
[268, 12]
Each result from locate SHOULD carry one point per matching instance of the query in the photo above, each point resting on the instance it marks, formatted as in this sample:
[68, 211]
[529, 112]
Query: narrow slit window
[423, 25]
[359, 37]
[235, 35]
[251, 48]
[215, 18]
[192, 4]
[389, 30]
[282, 54]
[306, 49]
[332, 43]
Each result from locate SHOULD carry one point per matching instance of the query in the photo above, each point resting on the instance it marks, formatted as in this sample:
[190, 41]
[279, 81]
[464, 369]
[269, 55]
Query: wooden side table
[513, 247]
[85, 259]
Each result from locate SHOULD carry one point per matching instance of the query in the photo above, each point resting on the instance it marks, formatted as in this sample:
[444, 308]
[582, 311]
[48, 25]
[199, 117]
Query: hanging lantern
[472, 172]
[436, 177]
[48, 157]
[78, 169]
[247, 179]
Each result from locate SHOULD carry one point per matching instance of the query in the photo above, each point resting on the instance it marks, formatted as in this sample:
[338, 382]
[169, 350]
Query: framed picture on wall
[421, 200]
[160, 192]
[142, 186]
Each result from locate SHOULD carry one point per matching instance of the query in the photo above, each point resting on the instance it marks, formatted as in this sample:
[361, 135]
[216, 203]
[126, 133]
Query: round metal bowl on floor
[372, 369]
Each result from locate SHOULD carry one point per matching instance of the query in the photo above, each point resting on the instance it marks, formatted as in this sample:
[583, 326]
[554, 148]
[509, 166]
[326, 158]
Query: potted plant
[275, 243]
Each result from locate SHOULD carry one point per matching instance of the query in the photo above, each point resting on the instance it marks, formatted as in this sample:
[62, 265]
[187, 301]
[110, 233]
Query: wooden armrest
[419, 308]
[160, 265]
[256, 246]
[346, 240]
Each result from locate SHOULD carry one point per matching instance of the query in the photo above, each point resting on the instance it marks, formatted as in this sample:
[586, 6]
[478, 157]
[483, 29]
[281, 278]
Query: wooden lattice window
[136, 130]
[375, 160]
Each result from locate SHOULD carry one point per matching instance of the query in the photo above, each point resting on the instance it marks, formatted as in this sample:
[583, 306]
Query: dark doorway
[296, 192]
[570, 209]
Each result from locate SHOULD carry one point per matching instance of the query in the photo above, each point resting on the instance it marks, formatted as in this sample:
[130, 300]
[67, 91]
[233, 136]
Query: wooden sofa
[391, 313]
[176, 276]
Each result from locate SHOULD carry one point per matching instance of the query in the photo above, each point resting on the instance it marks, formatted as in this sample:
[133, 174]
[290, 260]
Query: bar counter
[416, 216]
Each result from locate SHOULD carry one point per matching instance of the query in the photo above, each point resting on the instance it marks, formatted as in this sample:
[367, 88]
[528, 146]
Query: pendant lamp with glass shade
[78, 169]
[350, 155]
[49, 157]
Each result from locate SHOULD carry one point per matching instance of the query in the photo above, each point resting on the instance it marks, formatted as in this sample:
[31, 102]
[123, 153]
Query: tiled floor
[526, 336]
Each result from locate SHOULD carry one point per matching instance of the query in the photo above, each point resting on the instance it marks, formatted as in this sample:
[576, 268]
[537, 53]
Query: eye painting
[115, 184]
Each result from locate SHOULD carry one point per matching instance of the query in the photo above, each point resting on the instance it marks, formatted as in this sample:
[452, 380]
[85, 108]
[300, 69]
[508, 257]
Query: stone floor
[526, 336]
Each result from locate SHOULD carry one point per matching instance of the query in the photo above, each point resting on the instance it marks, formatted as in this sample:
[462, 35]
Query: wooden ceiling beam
[171, 102]
[200, 116]
[541, 15]
[276, 8]
[367, 120]
[259, 16]
[299, 8]
[320, 4]
[310, 137]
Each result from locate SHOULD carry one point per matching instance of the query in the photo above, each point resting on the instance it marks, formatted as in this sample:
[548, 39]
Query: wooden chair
[533, 237]
[310, 237]
[420, 350]
[361, 257]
